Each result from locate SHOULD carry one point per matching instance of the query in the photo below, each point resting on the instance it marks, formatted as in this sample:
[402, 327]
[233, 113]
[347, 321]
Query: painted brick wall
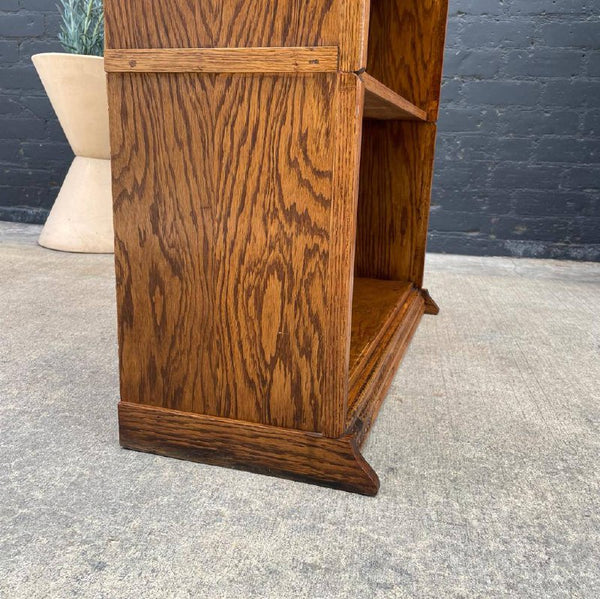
[34, 154]
[519, 146]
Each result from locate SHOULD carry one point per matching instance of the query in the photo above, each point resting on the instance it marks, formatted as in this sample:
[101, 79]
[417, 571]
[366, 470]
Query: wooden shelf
[374, 304]
[384, 317]
[384, 104]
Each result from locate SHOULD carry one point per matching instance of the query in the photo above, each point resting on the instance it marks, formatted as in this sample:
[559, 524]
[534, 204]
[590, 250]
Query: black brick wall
[517, 169]
[34, 154]
[519, 145]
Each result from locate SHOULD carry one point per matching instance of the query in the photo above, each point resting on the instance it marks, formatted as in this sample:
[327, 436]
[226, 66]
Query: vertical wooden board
[406, 48]
[222, 192]
[349, 111]
[354, 34]
[220, 23]
[393, 207]
[425, 134]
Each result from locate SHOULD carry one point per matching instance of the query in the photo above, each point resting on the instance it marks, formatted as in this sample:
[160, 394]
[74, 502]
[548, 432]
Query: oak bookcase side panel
[394, 194]
[222, 191]
[406, 48]
[221, 24]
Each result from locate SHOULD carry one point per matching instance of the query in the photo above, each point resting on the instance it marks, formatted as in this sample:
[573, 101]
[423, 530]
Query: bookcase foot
[271, 450]
[430, 306]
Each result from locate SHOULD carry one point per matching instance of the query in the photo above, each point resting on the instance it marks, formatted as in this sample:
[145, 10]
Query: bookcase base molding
[288, 453]
[283, 452]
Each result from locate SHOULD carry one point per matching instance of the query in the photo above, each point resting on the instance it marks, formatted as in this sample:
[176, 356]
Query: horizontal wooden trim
[306, 59]
[298, 455]
[383, 103]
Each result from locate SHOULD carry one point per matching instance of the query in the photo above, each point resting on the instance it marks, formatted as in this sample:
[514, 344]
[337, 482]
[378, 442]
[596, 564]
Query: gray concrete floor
[487, 447]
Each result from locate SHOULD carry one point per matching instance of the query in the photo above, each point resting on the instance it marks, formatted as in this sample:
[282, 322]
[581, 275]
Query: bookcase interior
[401, 82]
[388, 233]
[405, 49]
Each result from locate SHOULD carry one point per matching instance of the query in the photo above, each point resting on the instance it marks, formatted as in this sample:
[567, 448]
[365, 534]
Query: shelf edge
[383, 103]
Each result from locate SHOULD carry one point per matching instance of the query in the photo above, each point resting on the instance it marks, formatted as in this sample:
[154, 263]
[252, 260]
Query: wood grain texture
[223, 60]
[241, 24]
[244, 209]
[354, 34]
[384, 104]
[265, 449]
[349, 105]
[221, 23]
[373, 377]
[393, 210]
[375, 304]
[406, 48]
[222, 206]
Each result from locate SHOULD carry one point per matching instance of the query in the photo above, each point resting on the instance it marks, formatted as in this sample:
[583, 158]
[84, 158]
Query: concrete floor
[488, 450]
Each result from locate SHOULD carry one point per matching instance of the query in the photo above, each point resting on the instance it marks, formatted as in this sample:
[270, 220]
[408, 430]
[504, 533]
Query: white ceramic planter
[81, 219]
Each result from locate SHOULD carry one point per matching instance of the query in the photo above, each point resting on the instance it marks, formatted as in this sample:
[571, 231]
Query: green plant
[82, 27]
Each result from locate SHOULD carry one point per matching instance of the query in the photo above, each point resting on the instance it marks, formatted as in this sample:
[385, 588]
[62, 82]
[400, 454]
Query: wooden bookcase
[272, 166]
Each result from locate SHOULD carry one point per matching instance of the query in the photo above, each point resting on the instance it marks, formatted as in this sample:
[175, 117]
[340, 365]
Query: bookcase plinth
[288, 453]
